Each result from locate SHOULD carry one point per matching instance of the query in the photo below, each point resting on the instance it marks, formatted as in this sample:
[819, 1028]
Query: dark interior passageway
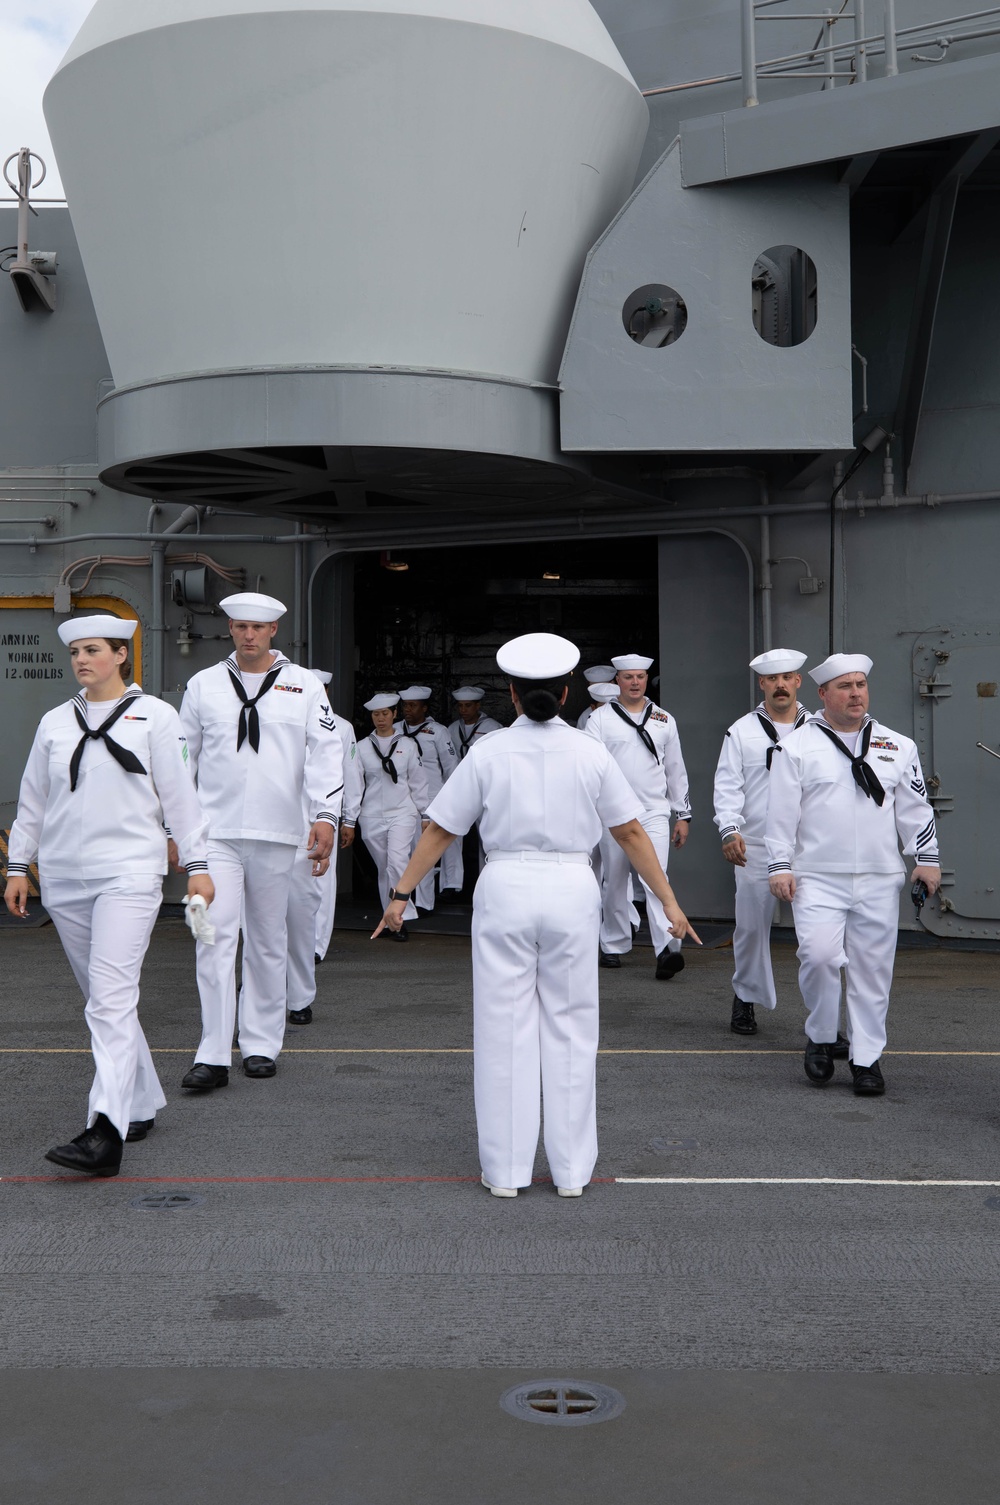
[437, 617]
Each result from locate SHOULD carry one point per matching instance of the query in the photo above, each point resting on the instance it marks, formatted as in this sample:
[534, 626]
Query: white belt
[529, 856]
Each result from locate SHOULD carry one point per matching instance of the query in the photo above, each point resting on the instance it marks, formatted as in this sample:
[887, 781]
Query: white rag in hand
[196, 915]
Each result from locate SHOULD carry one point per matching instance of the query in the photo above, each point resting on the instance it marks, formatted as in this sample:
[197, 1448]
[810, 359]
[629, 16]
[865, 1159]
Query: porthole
[655, 316]
[784, 295]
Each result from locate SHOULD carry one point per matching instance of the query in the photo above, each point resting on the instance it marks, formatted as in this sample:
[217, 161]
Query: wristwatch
[394, 894]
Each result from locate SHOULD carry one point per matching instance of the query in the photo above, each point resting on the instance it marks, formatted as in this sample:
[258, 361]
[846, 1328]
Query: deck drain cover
[562, 1403]
[165, 1201]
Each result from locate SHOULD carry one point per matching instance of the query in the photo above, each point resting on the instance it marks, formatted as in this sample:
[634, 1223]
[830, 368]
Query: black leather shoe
[301, 1016]
[138, 1129]
[819, 1062]
[609, 959]
[743, 1021]
[259, 1066]
[317, 959]
[202, 1077]
[96, 1152]
[402, 934]
[868, 1080]
[668, 964]
[841, 1048]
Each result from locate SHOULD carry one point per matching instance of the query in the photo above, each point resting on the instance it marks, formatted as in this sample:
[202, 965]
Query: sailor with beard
[741, 784]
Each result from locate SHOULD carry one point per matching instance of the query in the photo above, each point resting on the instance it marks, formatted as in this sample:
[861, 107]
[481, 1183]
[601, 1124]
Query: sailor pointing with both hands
[106, 770]
[541, 792]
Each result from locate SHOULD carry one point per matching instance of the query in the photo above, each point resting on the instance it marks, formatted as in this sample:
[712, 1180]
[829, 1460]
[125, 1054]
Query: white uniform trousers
[534, 972]
[847, 920]
[616, 929]
[425, 888]
[452, 870]
[327, 909]
[390, 847]
[251, 878]
[305, 897]
[753, 977]
[105, 925]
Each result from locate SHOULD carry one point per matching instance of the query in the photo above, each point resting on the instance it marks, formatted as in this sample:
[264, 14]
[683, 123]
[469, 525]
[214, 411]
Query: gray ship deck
[340, 1312]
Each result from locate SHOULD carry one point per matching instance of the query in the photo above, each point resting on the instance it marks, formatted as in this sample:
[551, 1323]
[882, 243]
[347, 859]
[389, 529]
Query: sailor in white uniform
[599, 674]
[741, 783]
[642, 738]
[602, 693]
[542, 794]
[394, 802]
[312, 902]
[264, 747]
[472, 725]
[844, 792]
[437, 753]
[105, 770]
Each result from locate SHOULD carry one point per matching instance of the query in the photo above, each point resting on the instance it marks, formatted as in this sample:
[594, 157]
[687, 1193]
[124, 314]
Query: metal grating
[562, 1403]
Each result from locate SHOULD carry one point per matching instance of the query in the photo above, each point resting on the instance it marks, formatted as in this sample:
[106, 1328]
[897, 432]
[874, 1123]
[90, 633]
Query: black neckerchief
[386, 760]
[770, 731]
[464, 740]
[121, 755]
[864, 776]
[414, 736]
[639, 728]
[249, 727]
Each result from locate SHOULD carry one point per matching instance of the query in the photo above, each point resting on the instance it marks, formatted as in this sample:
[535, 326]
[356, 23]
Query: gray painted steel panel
[821, 127]
[720, 386]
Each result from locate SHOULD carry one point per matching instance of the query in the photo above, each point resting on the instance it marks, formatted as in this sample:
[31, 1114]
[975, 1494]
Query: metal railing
[833, 61]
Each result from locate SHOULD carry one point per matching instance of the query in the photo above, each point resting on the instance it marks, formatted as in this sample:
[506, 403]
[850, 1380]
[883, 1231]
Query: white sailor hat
[95, 627]
[323, 675]
[778, 661]
[468, 692]
[605, 692]
[600, 674]
[538, 655]
[251, 606]
[631, 661]
[840, 663]
[381, 702]
[416, 692]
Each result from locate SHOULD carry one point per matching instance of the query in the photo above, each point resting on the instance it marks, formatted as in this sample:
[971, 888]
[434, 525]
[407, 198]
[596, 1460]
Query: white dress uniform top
[654, 767]
[437, 754]
[463, 737]
[542, 793]
[741, 787]
[312, 902]
[843, 848]
[391, 809]
[102, 853]
[255, 798]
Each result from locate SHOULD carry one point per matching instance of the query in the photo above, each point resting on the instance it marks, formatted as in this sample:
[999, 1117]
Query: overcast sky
[34, 34]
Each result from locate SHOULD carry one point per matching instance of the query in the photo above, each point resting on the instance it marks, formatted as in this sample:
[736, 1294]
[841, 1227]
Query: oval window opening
[784, 295]
[655, 315]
